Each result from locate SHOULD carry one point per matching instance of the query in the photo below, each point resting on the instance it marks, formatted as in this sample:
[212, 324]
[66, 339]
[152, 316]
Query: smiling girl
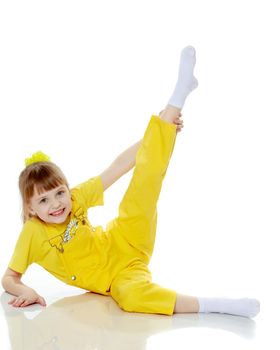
[58, 236]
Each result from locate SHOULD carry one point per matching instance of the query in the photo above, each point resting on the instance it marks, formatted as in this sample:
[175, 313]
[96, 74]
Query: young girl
[58, 236]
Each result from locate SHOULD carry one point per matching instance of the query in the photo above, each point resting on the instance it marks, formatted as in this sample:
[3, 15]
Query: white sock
[186, 81]
[241, 307]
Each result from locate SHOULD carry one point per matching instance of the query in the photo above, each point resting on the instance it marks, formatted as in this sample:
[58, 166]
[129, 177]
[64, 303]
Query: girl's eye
[60, 192]
[43, 200]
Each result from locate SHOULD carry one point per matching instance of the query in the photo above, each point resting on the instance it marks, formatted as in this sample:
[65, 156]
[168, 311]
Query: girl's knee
[144, 297]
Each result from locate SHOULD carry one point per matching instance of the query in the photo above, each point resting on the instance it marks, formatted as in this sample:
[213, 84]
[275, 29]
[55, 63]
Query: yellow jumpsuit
[112, 261]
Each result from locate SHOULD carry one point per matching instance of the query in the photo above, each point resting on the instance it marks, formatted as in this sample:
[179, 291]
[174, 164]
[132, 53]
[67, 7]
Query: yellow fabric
[113, 261]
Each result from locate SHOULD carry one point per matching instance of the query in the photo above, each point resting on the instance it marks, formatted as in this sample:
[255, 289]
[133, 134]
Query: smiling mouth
[58, 212]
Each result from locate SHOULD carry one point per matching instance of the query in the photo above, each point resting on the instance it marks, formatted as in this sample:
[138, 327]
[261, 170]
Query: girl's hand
[28, 298]
[179, 123]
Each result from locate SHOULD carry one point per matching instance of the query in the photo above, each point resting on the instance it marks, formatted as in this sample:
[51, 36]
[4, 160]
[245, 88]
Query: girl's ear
[31, 210]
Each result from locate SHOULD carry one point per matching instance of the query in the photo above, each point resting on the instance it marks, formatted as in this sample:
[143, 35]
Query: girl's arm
[126, 160]
[120, 166]
[24, 295]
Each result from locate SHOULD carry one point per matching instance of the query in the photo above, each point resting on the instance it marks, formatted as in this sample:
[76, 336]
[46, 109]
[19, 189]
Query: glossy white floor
[75, 319]
[88, 321]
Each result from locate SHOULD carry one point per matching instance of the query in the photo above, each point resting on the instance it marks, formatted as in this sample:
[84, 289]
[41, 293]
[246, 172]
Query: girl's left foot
[186, 81]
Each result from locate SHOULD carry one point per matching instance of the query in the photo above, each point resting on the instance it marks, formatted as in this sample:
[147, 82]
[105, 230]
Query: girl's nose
[55, 204]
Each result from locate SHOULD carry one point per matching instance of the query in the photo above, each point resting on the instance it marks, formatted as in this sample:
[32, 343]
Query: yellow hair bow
[37, 157]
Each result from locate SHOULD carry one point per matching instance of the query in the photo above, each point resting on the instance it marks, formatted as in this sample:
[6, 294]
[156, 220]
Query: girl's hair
[44, 176]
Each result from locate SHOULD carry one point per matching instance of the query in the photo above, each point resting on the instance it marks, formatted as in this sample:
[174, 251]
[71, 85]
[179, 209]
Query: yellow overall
[112, 261]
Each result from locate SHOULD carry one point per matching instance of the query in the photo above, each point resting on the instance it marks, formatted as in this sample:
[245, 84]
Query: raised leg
[137, 219]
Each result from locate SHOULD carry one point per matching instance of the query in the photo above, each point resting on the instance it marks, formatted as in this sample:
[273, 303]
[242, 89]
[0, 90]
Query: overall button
[73, 278]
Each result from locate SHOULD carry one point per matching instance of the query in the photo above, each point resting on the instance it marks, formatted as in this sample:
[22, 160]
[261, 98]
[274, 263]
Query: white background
[79, 80]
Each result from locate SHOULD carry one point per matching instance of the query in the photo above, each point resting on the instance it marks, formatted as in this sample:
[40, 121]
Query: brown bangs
[46, 184]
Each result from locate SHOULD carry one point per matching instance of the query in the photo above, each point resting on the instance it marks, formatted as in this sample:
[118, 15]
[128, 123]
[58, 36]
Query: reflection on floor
[91, 321]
